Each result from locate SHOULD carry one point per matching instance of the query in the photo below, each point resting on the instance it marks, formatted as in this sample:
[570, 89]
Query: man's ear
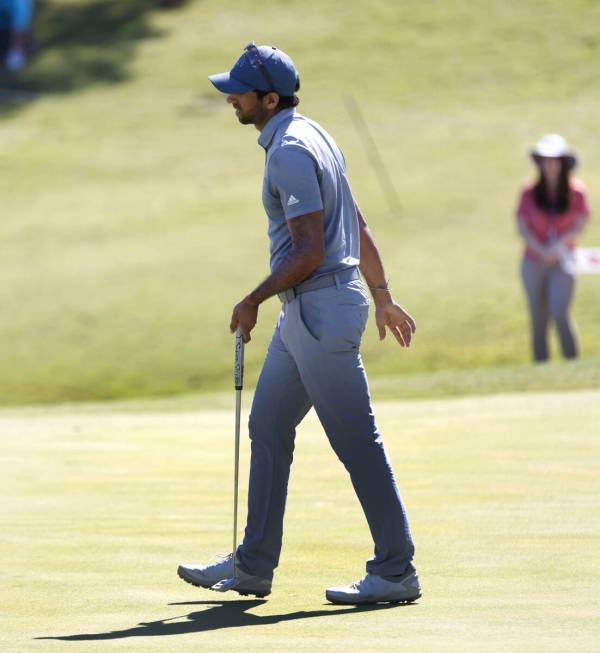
[271, 100]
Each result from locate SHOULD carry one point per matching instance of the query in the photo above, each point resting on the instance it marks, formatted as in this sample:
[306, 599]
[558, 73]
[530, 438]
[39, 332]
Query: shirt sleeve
[524, 205]
[521, 211]
[293, 176]
[581, 204]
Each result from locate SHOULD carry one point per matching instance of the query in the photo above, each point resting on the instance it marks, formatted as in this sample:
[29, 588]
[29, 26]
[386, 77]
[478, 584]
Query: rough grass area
[511, 378]
[98, 507]
[559, 376]
[131, 217]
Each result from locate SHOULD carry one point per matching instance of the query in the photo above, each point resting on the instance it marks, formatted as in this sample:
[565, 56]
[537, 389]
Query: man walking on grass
[318, 242]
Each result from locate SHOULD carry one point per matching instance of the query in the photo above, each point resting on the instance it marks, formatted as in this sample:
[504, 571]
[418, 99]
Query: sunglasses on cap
[254, 57]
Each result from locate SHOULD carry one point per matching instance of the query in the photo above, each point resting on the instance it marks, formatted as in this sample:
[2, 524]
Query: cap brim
[225, 83]
[571, 159]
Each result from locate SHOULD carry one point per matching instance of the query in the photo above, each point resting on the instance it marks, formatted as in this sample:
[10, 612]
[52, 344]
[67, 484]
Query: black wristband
[386, 286]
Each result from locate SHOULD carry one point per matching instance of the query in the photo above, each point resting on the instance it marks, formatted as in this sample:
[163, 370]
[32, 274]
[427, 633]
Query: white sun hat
[553, 146]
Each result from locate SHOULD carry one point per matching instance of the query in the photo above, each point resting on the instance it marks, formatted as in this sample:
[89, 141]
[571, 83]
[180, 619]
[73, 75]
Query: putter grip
[238, 367]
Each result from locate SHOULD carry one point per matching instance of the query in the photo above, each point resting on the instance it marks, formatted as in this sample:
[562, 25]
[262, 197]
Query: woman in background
[551, 213]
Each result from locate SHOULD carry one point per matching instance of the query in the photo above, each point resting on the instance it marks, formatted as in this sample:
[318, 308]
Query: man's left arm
[388, 314]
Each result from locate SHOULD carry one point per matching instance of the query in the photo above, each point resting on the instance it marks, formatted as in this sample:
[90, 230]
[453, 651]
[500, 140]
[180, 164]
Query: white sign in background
[587, 260]
[581, 260]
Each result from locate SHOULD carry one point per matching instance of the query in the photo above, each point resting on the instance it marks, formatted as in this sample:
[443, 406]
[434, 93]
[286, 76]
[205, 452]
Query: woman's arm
[547, 253]
[575, 230]
[530, 239]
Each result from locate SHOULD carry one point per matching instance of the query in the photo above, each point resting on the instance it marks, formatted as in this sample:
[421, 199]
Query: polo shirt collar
[268, 131]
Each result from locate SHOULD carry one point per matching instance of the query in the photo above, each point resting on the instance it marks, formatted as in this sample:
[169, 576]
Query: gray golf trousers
[313, 360]
[549, 292]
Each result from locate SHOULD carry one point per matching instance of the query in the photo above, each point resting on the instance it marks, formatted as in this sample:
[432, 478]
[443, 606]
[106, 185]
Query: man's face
[248, 107]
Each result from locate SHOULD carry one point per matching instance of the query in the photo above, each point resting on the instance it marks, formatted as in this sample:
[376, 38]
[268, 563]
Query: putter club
[238, 379]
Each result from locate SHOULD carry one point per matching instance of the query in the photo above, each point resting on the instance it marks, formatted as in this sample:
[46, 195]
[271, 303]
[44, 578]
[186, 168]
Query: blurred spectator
[551, 213]
[15, 29]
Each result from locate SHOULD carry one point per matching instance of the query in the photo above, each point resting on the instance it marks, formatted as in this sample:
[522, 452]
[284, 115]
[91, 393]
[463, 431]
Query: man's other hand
[396, 319]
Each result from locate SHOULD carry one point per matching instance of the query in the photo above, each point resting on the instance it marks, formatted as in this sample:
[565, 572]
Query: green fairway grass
[99, 506]
[131, 216]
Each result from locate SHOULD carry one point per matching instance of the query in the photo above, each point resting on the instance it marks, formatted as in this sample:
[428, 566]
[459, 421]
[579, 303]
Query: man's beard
[254, 117]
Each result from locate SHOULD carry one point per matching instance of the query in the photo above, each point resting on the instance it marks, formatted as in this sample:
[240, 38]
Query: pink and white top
[546, 226]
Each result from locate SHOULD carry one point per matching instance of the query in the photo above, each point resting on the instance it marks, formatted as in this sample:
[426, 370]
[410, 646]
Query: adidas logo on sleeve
[292, 200]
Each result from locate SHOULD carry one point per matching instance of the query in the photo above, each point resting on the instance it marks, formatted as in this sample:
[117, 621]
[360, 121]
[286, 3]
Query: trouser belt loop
[290, 294]
[336, 278]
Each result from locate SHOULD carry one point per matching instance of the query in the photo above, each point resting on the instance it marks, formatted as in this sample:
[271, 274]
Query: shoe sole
[258, 595]
[405, 601]
[244, 592]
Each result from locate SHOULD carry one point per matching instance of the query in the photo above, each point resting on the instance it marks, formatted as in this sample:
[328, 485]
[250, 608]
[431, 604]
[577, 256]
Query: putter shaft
[238, 379]
[238, 411]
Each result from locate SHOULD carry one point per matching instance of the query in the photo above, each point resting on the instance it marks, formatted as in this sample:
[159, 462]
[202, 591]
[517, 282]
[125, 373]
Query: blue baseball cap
[260, 68]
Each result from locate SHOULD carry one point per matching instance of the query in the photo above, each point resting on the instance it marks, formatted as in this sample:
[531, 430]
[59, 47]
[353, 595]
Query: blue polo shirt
[305, 171]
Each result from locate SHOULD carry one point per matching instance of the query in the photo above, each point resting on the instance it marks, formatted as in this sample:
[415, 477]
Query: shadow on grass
[216, 615]
[81, 44]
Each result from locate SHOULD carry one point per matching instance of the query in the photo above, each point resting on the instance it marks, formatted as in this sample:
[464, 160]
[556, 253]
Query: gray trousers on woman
[313, 360]
[549, 293]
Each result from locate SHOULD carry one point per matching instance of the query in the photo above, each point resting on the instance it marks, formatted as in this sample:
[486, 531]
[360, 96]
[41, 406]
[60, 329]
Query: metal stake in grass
[238, 379]
[373, 153]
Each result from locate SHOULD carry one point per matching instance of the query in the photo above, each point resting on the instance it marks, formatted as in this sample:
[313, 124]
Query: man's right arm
[305, 255]
[293, 177]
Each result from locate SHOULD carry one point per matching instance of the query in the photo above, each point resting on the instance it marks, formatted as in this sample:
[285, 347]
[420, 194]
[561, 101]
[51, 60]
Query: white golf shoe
[219, 576]
[375, 589]
[244, 584]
